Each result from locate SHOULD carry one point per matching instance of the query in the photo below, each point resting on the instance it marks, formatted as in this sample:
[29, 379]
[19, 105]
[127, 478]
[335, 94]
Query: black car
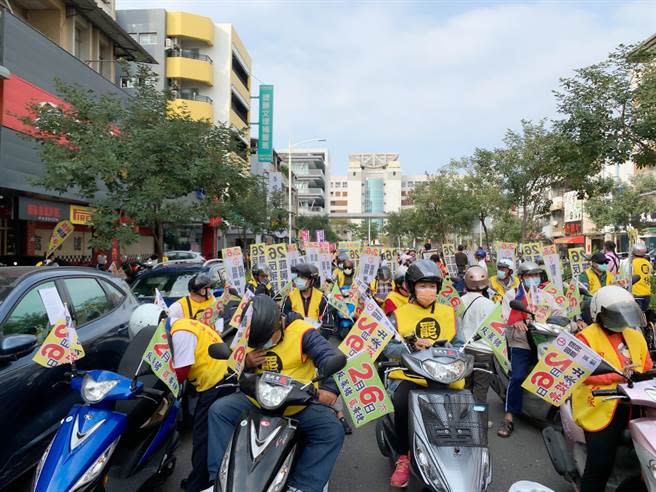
[35, 399]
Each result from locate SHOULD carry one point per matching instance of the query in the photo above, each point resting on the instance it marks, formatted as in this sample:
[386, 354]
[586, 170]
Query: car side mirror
[16, 345]
[333, 365]
[518, 306]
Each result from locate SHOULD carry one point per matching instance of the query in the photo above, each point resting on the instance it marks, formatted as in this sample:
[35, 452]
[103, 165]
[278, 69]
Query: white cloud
[429, 81]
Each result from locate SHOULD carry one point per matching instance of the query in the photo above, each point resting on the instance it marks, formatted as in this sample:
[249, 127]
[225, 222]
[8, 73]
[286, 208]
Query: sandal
[506, 429]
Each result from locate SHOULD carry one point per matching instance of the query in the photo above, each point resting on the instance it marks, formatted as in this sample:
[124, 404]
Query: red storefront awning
[570, 240]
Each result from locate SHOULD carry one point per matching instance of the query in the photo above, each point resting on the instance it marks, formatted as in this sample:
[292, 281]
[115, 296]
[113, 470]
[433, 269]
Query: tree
[136, 162]
[365, 232]
[625, 204]
[610, 109]
[402, 227]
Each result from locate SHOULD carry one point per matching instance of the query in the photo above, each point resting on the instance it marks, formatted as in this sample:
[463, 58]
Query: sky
[430, 80]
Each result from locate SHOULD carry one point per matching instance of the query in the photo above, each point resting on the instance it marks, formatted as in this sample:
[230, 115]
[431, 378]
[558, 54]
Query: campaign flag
[159, 357]
[60, 233]
[61, 346]
[493, 331]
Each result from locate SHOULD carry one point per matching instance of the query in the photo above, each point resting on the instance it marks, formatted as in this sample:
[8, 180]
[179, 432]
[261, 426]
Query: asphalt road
[362, 467]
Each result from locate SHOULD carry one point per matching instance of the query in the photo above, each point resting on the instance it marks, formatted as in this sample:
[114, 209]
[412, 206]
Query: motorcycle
[636, 456]
[540, 336]
[334, 324]
[448, 430]
[122, 437]
[265, 444]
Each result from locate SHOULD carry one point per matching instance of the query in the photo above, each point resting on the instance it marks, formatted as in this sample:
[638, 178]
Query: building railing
[176, 52]
[190, 96]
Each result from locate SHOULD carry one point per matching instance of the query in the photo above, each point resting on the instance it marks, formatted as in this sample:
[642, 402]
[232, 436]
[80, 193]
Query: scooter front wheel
[383, 445]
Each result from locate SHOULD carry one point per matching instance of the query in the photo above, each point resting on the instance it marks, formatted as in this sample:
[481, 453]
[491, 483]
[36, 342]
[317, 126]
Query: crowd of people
[284, 338]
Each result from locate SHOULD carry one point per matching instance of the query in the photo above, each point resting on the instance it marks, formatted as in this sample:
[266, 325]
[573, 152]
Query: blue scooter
[122, 437]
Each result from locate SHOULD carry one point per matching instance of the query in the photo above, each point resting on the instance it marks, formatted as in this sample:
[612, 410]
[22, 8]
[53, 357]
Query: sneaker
[401, 474]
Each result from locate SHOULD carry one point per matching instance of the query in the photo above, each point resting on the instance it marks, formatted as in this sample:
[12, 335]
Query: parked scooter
[265, 445]
[122, 437]
[635, 463]
[540, 336]
[448, 430]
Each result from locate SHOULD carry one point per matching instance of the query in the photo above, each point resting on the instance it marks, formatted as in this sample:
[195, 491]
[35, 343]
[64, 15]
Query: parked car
[172, 280]
[187, 256]
[33, 404]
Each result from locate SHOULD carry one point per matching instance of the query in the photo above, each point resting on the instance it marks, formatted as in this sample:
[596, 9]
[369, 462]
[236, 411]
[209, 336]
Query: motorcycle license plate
[276, 379]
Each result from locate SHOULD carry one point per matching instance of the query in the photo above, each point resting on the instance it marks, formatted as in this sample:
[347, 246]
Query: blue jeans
[323, 437]
[520, 363]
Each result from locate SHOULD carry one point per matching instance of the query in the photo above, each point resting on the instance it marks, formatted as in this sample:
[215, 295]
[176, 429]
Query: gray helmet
[422, 271]
[528, 267]
[639, 249]
[384, 273]
[399, 278]
[260, 268]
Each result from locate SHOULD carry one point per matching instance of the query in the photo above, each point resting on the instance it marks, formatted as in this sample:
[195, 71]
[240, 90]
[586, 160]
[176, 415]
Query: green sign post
[265, 136]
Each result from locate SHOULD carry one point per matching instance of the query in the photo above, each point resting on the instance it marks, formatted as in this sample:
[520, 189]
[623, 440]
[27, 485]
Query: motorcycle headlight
[445, 373]
[94, 391]
[426, 467]
[96, 468]
[652, 468]
[271, 396]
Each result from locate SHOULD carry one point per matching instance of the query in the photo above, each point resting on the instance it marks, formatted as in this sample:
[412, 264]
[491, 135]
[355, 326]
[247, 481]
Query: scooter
[122, 437]
[635, 463]
[448, 430]
[334, 324]
[265, 444]
[540, 336]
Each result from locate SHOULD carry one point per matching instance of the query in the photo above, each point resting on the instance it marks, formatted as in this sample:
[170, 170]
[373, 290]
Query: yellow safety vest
[437, 322]
[339, 277]
[500, 289]
[195, 310]
[206, 372]
[254, 283]
[287, 358]
[594, 282]
[591, 413]
[299, 307]
[642, 267]
[397, 299]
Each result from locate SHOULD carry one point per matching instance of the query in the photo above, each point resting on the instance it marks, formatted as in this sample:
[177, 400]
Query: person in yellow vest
[641, 266]
[593, 279]
[259, 282]
[421, 322]
[305, 299]
[381, 286]
[616, 335]
[195, 304]
[344, 276]
[503, 281]
[292, 347]
[399, 296]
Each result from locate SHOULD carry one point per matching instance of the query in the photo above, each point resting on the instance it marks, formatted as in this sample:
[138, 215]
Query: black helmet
[199, 281]
[422, 271]
[384, 273]
[265, 320]
[307, 270]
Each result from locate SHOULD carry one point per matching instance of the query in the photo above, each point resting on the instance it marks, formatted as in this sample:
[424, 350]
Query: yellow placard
[56, 348]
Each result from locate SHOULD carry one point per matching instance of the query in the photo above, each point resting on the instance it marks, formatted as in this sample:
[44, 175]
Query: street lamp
[289, 180]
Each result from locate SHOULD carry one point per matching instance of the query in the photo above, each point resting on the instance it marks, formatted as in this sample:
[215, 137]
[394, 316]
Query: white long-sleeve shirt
[476, 308]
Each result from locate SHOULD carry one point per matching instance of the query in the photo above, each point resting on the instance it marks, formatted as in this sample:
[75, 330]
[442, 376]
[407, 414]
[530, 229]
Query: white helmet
[505, 263]
[145, 315]
[639, 249]
[615, 309]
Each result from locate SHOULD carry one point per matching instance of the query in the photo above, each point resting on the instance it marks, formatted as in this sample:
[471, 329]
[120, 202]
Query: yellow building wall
[198, 110]
[238, 84]
[190, 69]
[183, 24]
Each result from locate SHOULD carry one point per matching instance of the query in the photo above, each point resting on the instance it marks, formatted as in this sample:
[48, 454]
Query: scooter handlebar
[611, 392]
[643, 376]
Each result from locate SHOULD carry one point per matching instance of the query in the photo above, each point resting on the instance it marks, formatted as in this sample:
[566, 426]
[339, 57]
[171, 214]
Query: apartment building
[311, 168]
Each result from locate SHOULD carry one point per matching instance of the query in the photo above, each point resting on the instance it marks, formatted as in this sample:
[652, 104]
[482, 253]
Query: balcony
[307, 192]
[187, 65]
[184, 25]
[200, 108]
[556, 204]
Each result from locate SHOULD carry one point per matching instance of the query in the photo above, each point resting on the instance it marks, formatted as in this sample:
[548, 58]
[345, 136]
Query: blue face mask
[501, 275]
[300, 283]
[602, 266]
[532, 282]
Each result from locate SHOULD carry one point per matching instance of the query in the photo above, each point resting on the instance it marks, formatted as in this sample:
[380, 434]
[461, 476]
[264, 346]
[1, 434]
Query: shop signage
[265, 137]
[41, 210]
[81, 215]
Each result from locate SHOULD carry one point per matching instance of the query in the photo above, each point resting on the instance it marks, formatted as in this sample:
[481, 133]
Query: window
[148, 38]
[29, 317]
[240, 71]
[135, 36]
[88, 299]
[78, 42]
[127, 82]
[114, 295]
[345, 184]
[239, 108]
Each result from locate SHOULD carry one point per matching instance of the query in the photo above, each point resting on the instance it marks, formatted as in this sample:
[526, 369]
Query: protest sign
[335, 298]
[61, 346]
[506, 251]
[293, 255]
[257, 254]
[235, 322]
[493, 331]
[573, 300]
[276, 258]
[566, 363]
[449, 296]
[369, 263]
[362, 390]
[576, 262]
[532, 252]
[552, 266]
[233, 261]
[159, 357]
[371, 332]
[557, 294]
[449, 257]
[352, 248]
[239, 345]
[325, 262]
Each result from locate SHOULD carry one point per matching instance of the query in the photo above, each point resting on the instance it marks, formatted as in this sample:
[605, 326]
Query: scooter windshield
[622, 315]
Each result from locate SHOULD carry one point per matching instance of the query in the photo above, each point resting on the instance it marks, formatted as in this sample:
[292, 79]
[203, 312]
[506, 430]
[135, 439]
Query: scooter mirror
[219, 351]
[333, 365]
[635, 279]
[605, 368]
[518, 306]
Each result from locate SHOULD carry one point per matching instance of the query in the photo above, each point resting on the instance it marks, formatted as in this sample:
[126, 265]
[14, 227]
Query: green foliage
[137, 162]
[402, 227]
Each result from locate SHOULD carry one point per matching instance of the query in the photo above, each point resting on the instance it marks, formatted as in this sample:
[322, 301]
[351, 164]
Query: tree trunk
[487, 237]
[158, 234]
[524, 220]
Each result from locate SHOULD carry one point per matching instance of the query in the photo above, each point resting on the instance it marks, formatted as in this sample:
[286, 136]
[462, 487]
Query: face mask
[300, 283]
[268, 345]
[348, 271]
[532, 282]
[425, 297]
[602, 267]
[501, 275]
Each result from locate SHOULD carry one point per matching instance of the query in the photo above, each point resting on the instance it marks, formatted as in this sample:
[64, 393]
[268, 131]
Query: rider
[190, 341]
[641, 266]
[399, 296]
[296, 350]
[435, 258]
[615, 334]
[259, 283]
[504, 280]
[476, 307]
[200, 298]
[381, 286]
[521, 355]
[338, 272]
[593, 279]
[613, 259]
[481, 255]
[421, 322]
[305, 299]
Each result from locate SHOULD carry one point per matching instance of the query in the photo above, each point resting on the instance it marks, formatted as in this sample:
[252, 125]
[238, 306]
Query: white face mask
[348, 271]
[300, 283]
[501, 275]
